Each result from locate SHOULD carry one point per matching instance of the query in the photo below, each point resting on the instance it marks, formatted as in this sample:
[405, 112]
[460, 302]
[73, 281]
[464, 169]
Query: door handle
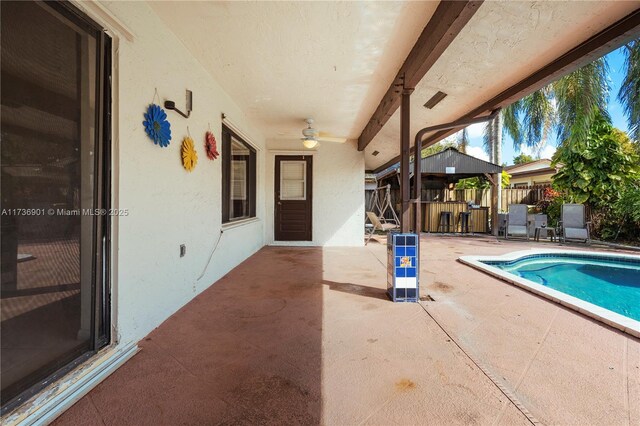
[279, 203]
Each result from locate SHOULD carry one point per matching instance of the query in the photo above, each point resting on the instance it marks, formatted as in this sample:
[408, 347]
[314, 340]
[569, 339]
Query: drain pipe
[459, 123]
[417, 174]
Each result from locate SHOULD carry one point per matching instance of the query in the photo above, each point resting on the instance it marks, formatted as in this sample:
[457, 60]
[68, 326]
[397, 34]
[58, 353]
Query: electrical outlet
[183, 250]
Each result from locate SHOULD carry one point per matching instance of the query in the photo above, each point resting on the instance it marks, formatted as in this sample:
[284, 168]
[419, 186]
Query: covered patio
[238, 291]
[307, 336]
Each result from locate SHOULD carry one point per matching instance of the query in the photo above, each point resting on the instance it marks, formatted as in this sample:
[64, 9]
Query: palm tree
[506, 121]
[463, 140]
[580, 98]
[492, 139]
[629, 94]
[569, 106]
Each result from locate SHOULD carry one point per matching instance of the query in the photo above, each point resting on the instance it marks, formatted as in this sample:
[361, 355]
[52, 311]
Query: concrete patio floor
[307, 336]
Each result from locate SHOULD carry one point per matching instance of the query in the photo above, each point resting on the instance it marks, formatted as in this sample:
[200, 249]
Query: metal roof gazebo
[441, 171]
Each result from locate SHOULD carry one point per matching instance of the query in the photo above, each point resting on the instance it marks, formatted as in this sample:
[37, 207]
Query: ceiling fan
[313, 136]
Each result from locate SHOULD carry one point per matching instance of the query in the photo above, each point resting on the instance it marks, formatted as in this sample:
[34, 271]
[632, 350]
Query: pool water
[608, 282]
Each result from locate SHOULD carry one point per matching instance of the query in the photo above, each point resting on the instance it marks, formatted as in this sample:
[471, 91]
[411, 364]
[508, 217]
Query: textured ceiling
[333, 61]
[503, 43]
[285, 61]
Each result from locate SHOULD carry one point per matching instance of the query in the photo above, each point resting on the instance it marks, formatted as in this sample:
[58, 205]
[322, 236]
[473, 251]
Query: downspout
[405, 151]
[417, 174]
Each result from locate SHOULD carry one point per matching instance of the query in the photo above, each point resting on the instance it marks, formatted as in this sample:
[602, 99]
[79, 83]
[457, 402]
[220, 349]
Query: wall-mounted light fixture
[172, 105]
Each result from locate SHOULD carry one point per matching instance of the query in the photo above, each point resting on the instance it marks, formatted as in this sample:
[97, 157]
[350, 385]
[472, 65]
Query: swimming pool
[602, 285]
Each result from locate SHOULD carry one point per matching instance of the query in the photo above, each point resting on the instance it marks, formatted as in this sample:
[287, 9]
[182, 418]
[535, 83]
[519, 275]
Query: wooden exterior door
[293, 198]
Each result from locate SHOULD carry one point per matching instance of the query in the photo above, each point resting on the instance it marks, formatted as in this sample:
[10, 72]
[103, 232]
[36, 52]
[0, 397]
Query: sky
[616, 75]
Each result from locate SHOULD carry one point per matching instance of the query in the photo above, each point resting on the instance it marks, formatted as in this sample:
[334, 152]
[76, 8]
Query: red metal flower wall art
[210, 146]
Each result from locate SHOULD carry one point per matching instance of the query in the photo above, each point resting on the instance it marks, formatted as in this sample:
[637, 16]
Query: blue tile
[411, 251]
[411, 272]
[401, 251]
[400, 272]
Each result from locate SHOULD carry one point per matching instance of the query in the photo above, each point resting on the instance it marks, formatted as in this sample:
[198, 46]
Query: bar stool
[444, 220]
[465, 221]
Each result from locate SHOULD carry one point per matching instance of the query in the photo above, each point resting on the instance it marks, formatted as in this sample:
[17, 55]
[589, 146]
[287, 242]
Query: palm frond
[538, 112]
[511, 123]
[580, 97]
[629, 94]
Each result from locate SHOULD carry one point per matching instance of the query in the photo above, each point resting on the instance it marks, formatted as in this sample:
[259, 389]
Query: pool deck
[306, 336]
[621, 322]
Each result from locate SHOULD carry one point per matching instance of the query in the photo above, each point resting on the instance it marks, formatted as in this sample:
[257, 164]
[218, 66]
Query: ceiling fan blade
[330, 139]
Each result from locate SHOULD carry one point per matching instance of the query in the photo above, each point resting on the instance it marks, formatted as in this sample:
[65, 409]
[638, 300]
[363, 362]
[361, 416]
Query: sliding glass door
[54, 179]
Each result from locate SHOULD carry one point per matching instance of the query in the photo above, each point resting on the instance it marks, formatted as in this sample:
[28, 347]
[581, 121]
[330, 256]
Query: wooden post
[405, 151]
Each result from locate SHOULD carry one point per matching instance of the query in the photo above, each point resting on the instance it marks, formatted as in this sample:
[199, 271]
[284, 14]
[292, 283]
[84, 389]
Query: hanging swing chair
[376, 213]
[385, 205]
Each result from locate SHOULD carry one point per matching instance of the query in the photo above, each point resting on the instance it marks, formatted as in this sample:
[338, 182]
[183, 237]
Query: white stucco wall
[338, 192]
[167, 205]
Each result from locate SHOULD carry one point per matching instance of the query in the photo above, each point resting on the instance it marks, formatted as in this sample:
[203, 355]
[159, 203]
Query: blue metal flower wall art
[157, 126]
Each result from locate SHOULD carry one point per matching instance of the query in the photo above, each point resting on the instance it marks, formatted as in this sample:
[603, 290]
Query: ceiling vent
[435, 100]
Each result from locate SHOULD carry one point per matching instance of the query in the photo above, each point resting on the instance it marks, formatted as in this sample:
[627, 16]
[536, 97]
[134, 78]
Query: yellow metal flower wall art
[189, 155]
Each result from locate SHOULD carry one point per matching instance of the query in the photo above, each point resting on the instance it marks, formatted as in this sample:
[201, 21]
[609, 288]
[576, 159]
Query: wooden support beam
[446, 23]
[405, 151]
[455, 124]
[612, 37]
[490, 178]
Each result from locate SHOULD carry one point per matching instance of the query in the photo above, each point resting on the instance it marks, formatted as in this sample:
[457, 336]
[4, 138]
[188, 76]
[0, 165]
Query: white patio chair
[517, 221]
[378, 225]
[574, 224]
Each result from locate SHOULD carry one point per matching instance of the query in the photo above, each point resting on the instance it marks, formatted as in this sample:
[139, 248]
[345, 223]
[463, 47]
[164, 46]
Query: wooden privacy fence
[525, 195]
[482, 197]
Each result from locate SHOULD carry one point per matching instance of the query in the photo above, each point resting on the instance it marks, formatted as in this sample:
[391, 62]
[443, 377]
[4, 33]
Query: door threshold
[294, 244]
[59, 396]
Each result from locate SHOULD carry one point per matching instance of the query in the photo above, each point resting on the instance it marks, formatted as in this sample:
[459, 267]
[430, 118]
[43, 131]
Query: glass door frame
[101, 244]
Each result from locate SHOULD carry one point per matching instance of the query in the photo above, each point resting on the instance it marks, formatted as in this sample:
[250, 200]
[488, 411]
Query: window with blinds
[293, 176]
[238, 177]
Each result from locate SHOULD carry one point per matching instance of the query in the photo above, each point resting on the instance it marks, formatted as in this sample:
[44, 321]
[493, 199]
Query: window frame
[227, 162]
[303, 163]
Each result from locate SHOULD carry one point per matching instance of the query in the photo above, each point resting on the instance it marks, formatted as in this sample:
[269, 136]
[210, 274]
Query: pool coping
[613, 319]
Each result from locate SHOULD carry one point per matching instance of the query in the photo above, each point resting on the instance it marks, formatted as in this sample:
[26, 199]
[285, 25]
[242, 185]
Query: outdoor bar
[432, 211]
[441, 171]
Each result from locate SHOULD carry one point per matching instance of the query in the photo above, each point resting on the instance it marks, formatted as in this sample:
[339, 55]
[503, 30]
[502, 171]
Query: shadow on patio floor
[231, 356]
[288, 338]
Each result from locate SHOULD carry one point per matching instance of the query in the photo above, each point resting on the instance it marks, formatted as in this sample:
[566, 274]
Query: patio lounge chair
[517, 221]
[574, 224]
[378, 225]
